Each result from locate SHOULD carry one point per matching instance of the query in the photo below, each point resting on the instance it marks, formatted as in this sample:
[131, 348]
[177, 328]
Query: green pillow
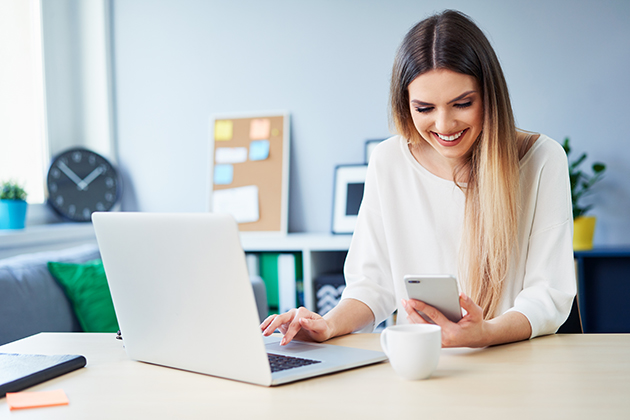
[86, 287]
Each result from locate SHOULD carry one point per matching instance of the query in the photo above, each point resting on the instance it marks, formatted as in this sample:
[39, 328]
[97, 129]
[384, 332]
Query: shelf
[296, 242]
[45, 237]
[604, 289]
[321, 253]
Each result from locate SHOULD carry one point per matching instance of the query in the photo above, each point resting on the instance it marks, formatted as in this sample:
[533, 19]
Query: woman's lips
[450, 139]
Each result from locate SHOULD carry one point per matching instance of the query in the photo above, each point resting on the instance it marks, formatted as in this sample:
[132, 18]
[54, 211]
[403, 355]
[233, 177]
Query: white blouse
[410, 222]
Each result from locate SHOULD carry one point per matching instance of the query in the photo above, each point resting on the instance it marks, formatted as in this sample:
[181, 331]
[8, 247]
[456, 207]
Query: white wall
[78, 87]
[77, 75]
[328, 62]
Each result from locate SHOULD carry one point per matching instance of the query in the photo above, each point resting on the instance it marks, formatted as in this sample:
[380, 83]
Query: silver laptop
[183, 299]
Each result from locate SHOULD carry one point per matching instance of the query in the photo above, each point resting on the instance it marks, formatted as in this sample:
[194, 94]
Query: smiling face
[447, 110]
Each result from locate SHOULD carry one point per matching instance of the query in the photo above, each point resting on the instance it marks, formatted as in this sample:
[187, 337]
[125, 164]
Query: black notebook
[21, 371]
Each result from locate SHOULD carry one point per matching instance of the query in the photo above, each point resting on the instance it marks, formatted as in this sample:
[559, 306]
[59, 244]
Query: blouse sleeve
[367, 268]
[549, 285]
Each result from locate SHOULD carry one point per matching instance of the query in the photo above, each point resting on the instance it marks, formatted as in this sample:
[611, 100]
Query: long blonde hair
[451, 40]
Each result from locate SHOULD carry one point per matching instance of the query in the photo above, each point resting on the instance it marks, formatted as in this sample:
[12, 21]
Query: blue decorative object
[12, 214]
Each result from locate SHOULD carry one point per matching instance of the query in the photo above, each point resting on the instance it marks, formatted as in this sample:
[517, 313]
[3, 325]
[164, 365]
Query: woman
[459, 191]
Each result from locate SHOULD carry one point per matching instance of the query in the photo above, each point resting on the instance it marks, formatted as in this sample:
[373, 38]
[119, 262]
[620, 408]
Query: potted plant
[12, 205]
[581, 184]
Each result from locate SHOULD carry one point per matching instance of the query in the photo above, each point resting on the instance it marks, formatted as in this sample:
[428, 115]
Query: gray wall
[328, 62]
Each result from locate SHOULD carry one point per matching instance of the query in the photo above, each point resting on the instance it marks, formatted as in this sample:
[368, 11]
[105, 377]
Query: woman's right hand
[299, 323]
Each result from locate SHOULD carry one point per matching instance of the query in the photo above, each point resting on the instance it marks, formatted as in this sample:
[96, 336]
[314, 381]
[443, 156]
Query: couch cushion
[86, 287]
[31, 301]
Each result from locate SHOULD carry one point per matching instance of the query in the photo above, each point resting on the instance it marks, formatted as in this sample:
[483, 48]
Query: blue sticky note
[259, 150]
[223, 174]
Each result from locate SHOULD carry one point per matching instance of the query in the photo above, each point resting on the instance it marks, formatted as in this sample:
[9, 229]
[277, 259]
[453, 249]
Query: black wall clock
[80, 182]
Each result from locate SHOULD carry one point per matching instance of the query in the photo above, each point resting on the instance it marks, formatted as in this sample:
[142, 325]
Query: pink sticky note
[259, 129]
[20, 400]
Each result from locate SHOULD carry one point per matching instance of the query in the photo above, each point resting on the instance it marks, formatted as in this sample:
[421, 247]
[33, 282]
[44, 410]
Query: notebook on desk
[183, 299]
[21, 371]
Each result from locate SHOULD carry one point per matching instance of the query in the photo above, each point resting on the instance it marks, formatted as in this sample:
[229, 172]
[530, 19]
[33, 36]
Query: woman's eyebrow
[460, 97]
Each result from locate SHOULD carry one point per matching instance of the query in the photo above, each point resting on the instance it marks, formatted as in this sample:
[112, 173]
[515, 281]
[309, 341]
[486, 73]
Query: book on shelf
[282, 275]
[253, 263]
[287, 279]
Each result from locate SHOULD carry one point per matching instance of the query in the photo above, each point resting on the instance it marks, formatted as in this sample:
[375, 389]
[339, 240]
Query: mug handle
[384, 342]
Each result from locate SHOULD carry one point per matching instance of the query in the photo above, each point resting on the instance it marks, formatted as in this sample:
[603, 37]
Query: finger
[294, 326]
[435, 315]
[412, 315]
[278, 321]
[473, 310]
[267, 321]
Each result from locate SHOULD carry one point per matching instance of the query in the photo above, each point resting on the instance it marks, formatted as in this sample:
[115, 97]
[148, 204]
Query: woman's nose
[444, 123]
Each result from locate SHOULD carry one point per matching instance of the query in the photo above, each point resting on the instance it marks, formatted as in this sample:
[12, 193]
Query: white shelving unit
[321, 253]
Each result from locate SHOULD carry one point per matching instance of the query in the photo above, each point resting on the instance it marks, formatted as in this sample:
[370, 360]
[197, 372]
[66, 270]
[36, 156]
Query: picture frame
[369, 147]
[347, 196]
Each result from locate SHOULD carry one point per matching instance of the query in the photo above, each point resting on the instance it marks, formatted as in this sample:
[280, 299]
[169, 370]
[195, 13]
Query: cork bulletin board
[249, 170]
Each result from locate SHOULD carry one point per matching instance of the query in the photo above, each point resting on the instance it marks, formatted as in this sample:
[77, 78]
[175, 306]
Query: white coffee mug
[413, 349]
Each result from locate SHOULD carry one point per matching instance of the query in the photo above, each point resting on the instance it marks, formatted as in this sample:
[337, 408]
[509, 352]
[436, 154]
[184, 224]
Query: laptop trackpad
[294, 347]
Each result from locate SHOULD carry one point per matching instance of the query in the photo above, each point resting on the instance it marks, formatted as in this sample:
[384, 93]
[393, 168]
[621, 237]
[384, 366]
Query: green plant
[581, 182]
[11, 190]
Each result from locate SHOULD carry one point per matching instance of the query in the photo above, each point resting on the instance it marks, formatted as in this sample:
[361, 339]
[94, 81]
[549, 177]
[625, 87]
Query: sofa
[33, 301]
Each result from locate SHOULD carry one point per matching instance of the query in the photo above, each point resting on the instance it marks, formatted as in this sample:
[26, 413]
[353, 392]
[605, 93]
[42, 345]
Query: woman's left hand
[470, 331]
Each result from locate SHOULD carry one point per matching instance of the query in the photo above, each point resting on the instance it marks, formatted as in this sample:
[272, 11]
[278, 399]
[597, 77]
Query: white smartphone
[439, 291]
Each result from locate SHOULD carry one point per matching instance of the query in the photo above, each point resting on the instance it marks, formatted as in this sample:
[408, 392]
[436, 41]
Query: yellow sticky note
[20, 400]
[223, 130]
[259, 129]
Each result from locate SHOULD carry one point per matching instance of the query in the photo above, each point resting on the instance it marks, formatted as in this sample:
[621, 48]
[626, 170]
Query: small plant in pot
[581, 185]
[12, 205]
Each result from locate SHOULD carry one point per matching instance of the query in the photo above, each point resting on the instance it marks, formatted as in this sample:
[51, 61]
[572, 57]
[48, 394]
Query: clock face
[80, 182]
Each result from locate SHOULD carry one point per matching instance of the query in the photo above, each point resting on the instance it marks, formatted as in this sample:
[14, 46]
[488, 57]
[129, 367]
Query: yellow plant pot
[583, 230]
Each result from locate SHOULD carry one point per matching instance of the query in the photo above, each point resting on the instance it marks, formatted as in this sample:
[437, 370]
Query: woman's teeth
[450, 138]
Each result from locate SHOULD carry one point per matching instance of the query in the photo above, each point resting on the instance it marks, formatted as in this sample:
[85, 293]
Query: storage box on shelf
[604, 289]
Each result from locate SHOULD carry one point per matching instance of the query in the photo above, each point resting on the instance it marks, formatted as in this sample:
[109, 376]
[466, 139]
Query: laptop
[183, 299]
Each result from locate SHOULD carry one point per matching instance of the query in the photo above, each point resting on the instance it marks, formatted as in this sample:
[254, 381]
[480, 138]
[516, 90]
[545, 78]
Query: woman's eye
[423, 110]
[464, 105]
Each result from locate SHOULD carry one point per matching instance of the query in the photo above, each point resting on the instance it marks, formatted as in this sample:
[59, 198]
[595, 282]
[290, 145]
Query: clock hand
[64, 168]
[91, 177]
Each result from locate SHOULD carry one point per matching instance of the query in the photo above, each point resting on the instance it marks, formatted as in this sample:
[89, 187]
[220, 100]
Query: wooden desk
[564, 376]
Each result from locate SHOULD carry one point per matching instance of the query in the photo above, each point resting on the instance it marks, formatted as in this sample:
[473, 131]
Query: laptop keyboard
[279, 362]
